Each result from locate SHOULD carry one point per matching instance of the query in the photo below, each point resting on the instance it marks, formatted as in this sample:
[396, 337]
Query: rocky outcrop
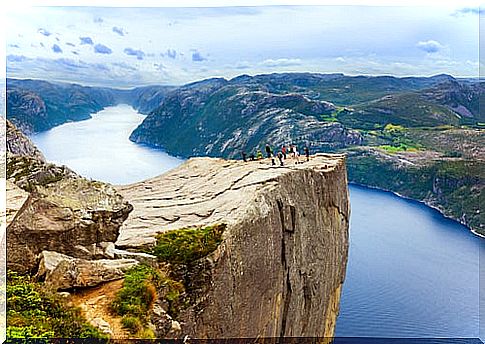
[62, 272]
[51, 208]
[279, 268]
[19, 144]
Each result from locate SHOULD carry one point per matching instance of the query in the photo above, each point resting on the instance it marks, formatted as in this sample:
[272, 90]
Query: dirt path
[94, 303]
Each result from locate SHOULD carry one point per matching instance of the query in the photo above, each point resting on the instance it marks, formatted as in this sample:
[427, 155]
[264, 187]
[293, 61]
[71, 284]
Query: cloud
[86, 40]
[468, 10]
[70, 44]
[16, 58]
[242, 65]
[281, 62]
[159, 67]
[119, 30]
[124, 65]
[98, 20]
[102, 49]
[44, 32]
[171, 53]
[57, 49]
[197, 57]
[429, 46]
[132, 52]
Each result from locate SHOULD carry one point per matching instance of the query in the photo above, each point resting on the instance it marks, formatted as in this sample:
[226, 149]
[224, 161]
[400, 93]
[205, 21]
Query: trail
[95, 303]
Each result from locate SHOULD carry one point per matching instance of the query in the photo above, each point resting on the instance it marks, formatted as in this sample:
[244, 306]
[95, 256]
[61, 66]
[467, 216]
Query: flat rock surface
[203, 191]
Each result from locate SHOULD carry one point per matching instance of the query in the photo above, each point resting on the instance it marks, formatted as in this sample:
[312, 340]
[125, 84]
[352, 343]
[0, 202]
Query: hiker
[252, 157]
[283, 151]
[296, 154]
[259, 154]
[244, 157]
[268, 151]
[291, 151]
[273, 163]
[280, 158]
[307, 153]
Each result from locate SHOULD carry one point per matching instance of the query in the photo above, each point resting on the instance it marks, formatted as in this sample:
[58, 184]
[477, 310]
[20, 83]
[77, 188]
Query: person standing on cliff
[259, 154]
[244, 156]
[283, 151]
[280, 158]
[307, 153]
[296, 154]
[268, 151]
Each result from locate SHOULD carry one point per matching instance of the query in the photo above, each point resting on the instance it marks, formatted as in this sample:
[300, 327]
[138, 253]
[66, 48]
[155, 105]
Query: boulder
[62, 272]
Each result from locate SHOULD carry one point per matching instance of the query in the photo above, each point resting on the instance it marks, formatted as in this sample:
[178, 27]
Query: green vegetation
[34, 312]
[455, 185]
[141, 287]
[136, 297]
[184, 246]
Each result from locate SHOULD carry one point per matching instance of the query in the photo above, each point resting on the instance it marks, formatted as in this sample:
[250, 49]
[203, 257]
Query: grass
[184, 246]
[34, 312]
[141, 287]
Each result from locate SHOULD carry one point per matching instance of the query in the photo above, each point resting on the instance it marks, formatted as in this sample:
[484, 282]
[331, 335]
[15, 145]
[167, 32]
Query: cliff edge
[281, 261]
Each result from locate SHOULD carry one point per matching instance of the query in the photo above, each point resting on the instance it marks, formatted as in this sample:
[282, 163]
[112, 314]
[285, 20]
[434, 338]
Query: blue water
[411, 272]
[99, 148]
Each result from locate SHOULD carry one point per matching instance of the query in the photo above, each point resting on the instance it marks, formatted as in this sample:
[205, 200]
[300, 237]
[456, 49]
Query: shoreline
[428, 204]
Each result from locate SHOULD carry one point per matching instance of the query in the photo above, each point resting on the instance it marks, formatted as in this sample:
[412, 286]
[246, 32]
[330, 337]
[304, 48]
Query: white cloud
[430, 46]
[283, 62]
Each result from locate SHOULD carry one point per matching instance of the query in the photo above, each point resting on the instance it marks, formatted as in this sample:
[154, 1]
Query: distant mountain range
[37, 105]
[422, 137]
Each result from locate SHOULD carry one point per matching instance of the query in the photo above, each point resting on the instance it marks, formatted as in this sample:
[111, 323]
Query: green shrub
[34, 312]
[133, 324]
[138, 292]
[184, 246]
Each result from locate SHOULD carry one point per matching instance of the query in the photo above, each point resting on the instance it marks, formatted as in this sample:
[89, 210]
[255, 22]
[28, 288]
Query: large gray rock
[19, 144]
[62, 272]
[282, 261]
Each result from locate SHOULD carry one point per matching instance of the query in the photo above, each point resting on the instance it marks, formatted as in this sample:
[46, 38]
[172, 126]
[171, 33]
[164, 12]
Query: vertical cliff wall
[282, 260]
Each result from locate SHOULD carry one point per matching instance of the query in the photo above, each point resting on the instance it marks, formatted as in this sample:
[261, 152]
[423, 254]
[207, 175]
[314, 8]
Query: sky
[127, 47]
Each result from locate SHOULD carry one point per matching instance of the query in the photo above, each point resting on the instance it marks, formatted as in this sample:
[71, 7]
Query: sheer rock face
[279, 269]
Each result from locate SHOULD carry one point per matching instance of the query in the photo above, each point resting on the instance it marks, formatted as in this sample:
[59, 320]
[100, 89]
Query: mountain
[145, 99]
[219, 117]
[37, 105]
[419, 137]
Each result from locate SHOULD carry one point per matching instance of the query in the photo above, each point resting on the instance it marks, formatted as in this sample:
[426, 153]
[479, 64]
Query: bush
[184, 246]
[138, 293]
[133, 324]
[34, 312]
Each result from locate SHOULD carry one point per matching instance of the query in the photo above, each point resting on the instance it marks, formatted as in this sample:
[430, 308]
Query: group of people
[281, 155]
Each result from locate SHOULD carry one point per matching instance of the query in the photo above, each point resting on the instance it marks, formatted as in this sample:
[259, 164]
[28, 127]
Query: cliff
[278, 267]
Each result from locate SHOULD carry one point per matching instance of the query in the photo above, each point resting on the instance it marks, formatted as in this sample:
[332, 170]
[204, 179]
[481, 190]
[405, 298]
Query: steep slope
[148, 98]
[279, 265]
[35, 105]
[217, 118]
